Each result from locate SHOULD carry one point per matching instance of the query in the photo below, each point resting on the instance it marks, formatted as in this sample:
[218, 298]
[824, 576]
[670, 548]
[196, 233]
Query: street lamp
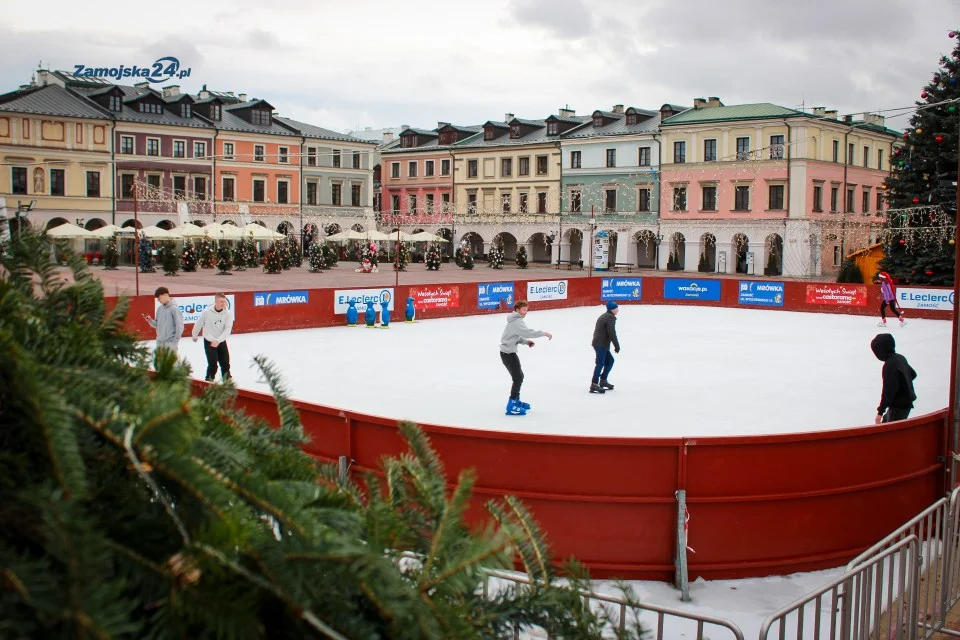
[593, 227]
[656, 241]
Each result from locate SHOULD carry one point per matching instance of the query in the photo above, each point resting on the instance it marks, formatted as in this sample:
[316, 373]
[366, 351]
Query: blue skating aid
[352, 314]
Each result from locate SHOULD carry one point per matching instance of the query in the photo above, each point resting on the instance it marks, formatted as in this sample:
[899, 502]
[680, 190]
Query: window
[610, 200]
[710, 150]
[311, 193]
[850, 193]
[406, 142]
[444, 167]
[506, 167]
[866, 201]
[488, 133]
[336, 158]
[179, 186]
[523, 202]
[283, 191]
[179, 149]
[866, 158]
[611, 157]
[471, 203]
[879, 202]
[741, 198]
[336, 194]
[228, 189]
[643, 200]
[817, 198]
[411, 204]
[515, 131]
[126, 186]
[153, 146]
[743, 148]
[837, 256]
[93, 184]
[18, 176]
[258, 153]
[199, 187]
[541, 202]
[395, 203]
[471, 168]
[851, 151]
[429, 202]
[185, 111]
[356, 159]
[149, 107]
[260, 116]
[116, 104]
[259, 190]
[575, 160]
[879, 158]
[505, 200]
[776, 197]
[523, 166]
[644, 160]
[445, 201]
[709, 198]
[679, 198]
[355, 195]
[312, 157]
[834, 199]
[541, 165]
[282, 154]
[553, 128]
[200, 150]
[228, 150]
[428, 168]
[680, 151]
[395, 170]
[57, 182]
[575, 202]
[776, 148]
[836, 151]
[126, 144]
[215, 112]
[153, 181]
[412, 169]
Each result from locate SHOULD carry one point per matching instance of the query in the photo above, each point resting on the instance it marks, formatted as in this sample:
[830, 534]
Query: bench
[570, 264]
[629, 266]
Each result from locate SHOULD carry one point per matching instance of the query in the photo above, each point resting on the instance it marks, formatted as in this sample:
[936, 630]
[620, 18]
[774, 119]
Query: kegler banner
[436, 297]
[852, 295]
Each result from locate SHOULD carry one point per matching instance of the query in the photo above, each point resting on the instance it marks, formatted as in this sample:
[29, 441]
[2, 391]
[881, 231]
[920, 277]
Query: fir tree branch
[464, 564]
[127, 435]
[159, 420]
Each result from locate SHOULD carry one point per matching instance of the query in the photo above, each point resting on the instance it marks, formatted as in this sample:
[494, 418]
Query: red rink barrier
[758, 505]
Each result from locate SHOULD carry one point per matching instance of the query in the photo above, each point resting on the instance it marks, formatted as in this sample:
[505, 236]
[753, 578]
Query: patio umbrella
[426, 236]
[222, 232]
[69, 230]
[343, 236]
[404, 236]
[254, 231]
[156, 233]
[374, 236]
[111, 230]
[190, 231]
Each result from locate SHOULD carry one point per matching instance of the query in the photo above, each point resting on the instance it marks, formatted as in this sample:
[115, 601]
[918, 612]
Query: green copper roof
[733, 112]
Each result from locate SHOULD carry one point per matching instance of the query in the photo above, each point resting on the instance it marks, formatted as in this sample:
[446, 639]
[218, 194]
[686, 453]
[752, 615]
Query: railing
[876, 599]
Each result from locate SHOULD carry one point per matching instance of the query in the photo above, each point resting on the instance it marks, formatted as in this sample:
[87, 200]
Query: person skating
[215, 323]
[516, 333]
[889, 295]
[169, 320]
[604, 333]
[898, 395]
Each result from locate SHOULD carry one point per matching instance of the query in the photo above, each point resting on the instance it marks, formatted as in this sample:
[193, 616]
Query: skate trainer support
[758, 505]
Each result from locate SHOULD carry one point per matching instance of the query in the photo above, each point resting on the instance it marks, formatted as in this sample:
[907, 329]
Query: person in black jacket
[896, 399]
[604, 333]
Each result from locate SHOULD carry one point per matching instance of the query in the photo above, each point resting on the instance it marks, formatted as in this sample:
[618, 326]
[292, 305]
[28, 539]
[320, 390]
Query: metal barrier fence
[875, 600]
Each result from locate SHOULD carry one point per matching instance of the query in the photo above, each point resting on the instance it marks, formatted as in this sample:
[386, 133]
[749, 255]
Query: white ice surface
[682, 371]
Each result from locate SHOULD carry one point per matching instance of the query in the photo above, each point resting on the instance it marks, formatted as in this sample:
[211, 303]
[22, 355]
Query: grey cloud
[566, 18]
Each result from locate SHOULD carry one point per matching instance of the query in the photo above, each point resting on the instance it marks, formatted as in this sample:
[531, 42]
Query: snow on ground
[682, 371]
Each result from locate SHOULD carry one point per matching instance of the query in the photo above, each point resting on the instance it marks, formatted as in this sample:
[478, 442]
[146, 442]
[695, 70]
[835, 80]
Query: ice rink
[682, 371]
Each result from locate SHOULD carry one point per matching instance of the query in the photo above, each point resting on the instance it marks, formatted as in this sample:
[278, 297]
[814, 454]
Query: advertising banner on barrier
[682, 289]
[761, 293]
[440, 296]
[192, 306]
[269, 298]
[620, 289]
[853, 295]
[342, 298]
[494, 295]
[937, 299]
[547, 290]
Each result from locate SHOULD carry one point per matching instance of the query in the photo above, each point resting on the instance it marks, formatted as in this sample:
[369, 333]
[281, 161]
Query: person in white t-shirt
[215, 323]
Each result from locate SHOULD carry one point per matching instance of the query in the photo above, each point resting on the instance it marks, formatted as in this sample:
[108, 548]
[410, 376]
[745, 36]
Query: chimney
[441, 125]
[831, 115]
[566, 112]
[142, 85]
[618, 108]
[699, 103]
[848, 119]
[44, 78]
[387, 137]
[819, 111]
[242, 97]
[507, 117]
[714, 101]
[204, 94]
[171, 91]
[875, 118]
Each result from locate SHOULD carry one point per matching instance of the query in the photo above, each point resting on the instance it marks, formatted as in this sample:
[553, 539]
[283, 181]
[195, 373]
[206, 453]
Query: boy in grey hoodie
[515, 333]
[169, 321]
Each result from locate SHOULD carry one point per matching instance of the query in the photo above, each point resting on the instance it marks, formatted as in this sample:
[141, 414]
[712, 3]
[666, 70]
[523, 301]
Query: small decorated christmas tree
[316, 258]
[495, 257]
[296, 254]
[169, 258]
[145, 258]
[240, 257]
[433, 259]
[522, 257]
[282, 249]
[271, 263]
[224, 261]
[466, 256]
[188, 259]
[403, 257]
[111, 256]
[205, 254]
[329, 256]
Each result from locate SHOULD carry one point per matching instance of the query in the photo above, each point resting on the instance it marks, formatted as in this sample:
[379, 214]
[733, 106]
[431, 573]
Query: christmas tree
[145, 257]
[224, 261]
[296, 254]
[433, 259]
[522, 257]
[329, 256]
[465, 256]
[495, 257]
[169, 258]
[189, 257]
[403, 257]
[316, 258]
[111, 256]
[282, 249]
[272, 264]
[921, 190]
[205, 254]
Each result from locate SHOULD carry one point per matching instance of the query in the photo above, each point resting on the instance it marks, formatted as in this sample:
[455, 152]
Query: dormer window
[448, 137]
[260, 116]
[631, 119]
[514, 131]
[553, 128]
[488, 133]
[116, 103]
[215, 112]
[150, 107]
[185, 111]
[408, 142]
[598, 121]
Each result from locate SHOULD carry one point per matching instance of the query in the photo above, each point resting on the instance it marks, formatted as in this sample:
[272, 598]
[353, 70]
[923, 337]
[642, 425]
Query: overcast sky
[381, 63]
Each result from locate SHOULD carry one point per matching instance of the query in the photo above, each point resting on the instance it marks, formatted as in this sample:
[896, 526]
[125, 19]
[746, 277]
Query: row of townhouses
[752, 188]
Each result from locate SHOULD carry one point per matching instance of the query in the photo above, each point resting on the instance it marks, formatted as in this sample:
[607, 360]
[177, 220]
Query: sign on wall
[494, 295]
[761, 293]
[269, 298]
[547, 290]
[192, 306]
[938, 299]
[681, 289]
[852, 295]
[620, 289]
[436, 297]
[342, 298]
[601, 250]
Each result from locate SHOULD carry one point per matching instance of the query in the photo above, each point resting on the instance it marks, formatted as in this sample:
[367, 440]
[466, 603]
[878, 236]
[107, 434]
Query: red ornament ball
[906, 135]
[902, 242]
[939, 138]
[929, 273]
[923, 94]
[916, 201]
[896, 151]
[952, 34]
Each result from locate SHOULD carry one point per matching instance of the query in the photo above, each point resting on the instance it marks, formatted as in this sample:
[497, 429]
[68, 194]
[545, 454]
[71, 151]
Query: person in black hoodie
[896, 399]
[604, 333]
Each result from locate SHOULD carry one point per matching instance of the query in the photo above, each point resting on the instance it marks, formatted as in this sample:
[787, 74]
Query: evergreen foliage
[224, 259]
[205, 253]
[465, 256]
[188, 258]
[850, 272]
[296, 254]
[316, 258]
[169, 258]
[403, 257]
[330, 257]
[495, 257]
[522, 257]
[271, 263]
[133, 508]
[111, 255]
[924, 172]
[145, 254]
[433, 259]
